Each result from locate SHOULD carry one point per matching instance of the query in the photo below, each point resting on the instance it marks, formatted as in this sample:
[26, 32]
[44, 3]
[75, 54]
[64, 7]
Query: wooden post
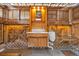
[70, 16]
[58, 16]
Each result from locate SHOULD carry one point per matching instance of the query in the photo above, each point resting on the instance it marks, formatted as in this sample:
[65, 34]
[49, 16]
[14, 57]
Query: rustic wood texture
[58, 17]
[1, 33]
[38, 24]
[13, 32]
[62, 33]
[37, 40]
[75, 15]
[75, 34]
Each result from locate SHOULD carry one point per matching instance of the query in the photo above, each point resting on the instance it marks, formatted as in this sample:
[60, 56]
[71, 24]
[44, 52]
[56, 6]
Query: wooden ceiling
[24, 5]
[46, 4]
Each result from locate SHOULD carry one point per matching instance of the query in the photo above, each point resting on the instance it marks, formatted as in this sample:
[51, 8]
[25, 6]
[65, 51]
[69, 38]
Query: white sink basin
[38, 31]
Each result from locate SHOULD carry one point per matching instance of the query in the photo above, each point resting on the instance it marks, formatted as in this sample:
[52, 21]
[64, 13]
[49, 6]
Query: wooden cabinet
[37, 39]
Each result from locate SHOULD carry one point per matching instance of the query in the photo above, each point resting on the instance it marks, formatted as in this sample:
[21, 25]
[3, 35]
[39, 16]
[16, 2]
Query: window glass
[0, 12]
[13, 14]
[24, 15]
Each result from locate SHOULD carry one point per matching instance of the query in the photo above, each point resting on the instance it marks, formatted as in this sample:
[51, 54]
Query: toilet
[51, 39]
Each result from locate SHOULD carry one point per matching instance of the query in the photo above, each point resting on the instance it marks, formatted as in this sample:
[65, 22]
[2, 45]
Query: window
[24, 15]
[52, 14]
[0, 12]
[10, 14]
[13, 14]
[63, 14]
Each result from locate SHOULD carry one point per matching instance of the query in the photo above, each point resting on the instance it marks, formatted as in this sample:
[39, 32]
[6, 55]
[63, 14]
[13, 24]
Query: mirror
[38, 15]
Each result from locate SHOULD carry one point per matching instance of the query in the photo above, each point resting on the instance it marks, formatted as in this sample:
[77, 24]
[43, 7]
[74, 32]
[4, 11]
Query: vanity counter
[37, 39]
[38, 32]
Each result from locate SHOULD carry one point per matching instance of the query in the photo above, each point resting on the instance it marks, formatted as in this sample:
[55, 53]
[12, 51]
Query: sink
[38, 31]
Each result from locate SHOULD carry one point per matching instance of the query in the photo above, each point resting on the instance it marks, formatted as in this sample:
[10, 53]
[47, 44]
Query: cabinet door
[1, 33]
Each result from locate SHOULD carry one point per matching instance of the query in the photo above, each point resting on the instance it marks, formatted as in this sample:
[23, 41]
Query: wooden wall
[1, 34]
[13, 32]
[75, 15]
[75, 25]
[56, 19]
[38, 24]
[75, 34]
[61, 30]
[57, 16]
[75, 30]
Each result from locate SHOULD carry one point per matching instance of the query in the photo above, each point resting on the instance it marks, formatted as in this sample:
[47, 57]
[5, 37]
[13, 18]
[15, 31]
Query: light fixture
[38, 8]
[34, 7]
[42, 7]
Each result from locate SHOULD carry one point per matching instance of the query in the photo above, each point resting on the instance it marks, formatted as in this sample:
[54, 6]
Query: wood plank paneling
[38, 24]
[13, 32]
[37, 40]
[75, 15]
[1, 34]
[58, 17]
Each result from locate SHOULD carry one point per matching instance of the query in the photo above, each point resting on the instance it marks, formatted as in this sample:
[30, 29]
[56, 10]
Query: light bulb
[34, 7]
[38, 8]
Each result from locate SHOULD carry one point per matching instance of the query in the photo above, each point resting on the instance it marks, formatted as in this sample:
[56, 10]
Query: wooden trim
[2, 34]
[19, 13]
[30, 19]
